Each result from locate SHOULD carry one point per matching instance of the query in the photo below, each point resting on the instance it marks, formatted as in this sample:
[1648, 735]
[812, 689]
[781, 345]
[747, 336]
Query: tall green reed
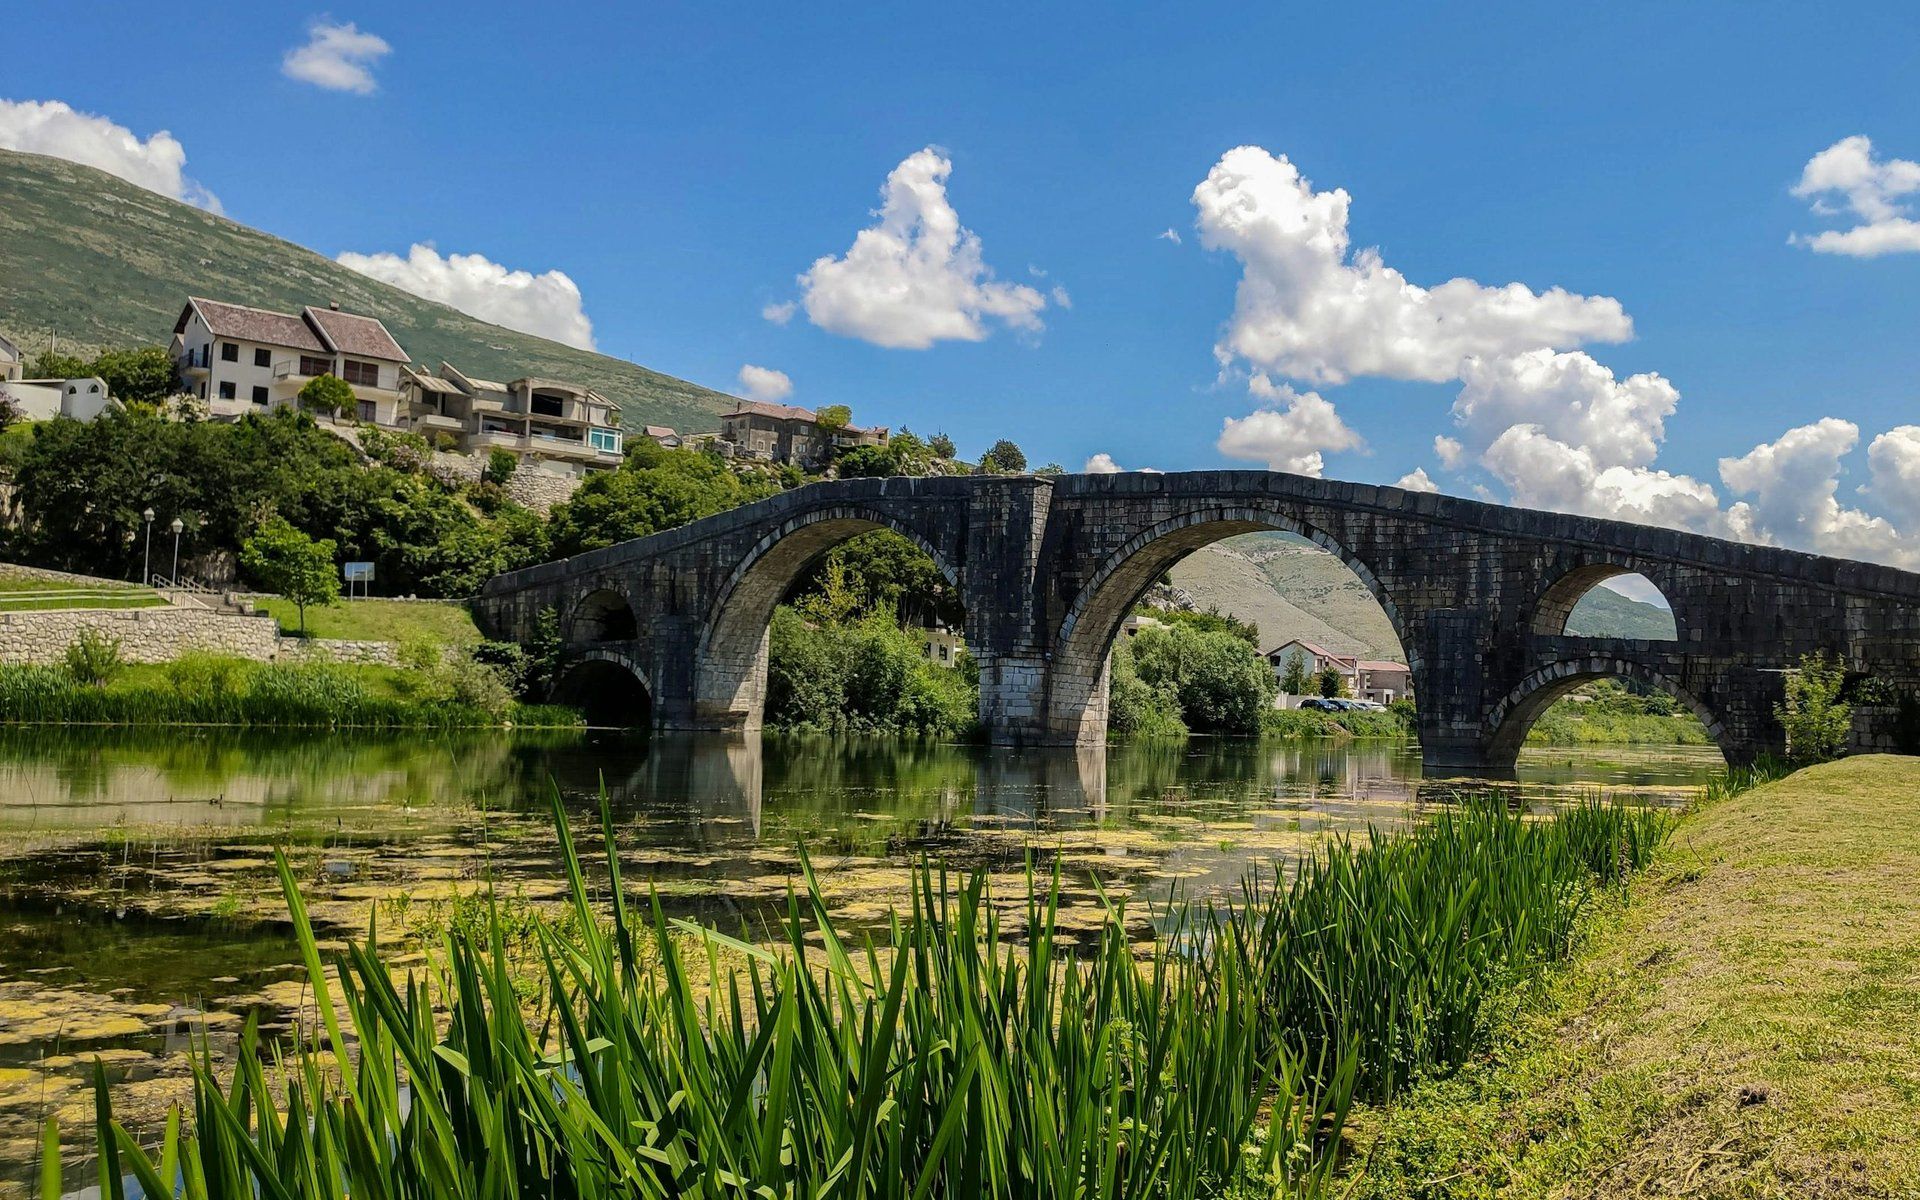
[940, 1056]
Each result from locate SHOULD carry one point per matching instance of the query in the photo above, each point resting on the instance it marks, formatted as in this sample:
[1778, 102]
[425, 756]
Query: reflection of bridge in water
[1478, 594]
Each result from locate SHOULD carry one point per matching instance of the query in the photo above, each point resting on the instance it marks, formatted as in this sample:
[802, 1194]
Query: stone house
[785, 433]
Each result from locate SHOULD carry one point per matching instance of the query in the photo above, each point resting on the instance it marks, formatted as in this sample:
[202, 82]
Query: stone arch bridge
[1048, 569]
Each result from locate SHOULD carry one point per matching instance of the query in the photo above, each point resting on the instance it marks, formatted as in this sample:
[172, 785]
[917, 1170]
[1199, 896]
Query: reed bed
[942, 1056]
[1725, 785]
[275, 695]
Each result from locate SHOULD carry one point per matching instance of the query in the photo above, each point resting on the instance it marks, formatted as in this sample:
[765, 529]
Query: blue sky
[684, 165]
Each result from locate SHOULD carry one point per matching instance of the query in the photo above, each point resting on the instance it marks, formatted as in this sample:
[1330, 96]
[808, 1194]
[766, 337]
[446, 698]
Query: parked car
[1323, 704]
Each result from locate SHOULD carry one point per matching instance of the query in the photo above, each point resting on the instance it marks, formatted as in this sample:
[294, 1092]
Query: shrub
[1137, 710]
[327, 394]
[1223, 684]
[93, 658]
[501, 464]
[1815, 720]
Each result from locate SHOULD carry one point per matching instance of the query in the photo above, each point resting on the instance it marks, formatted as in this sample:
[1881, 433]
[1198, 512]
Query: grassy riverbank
[1748, 1025]
[204, 689]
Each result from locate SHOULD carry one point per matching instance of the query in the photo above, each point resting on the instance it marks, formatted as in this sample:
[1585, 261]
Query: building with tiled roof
[241, 359]
[786, 433]
[1369, 679]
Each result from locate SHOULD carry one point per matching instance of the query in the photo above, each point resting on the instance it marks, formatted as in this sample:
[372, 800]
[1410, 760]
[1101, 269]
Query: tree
[282, 559]
[867, 462]
[51, 364]
[1223, 684]
[942, 446]
[1815, 721]
[326, 393]
[1004, 458]
[1294, 682]
[1330, 682]
[833, 417]
[1051, 469]
[653, 490]
[9, 411]
[141, 376]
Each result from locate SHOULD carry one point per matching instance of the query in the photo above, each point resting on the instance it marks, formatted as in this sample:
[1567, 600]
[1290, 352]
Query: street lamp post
[146, 557]
[178, 525]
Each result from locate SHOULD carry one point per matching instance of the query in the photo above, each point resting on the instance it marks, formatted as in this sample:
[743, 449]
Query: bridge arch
[1076, 701]
[1561, 596]
[730, 664]
[602, 615]
[1509, 720]
[609, 686]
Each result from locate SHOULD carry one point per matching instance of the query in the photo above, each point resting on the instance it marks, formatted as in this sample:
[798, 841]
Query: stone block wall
[147, 635]
[531, 484]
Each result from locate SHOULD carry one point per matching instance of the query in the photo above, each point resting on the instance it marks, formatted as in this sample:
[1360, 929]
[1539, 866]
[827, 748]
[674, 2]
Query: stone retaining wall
[147, 635]
[152, 635]
[531, 485]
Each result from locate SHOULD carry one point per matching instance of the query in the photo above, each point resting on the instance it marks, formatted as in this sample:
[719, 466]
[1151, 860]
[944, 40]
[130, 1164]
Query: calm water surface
[138, 911]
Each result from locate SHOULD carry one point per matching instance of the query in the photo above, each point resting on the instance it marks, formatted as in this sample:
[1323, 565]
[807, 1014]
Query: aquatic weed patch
[940, 1056]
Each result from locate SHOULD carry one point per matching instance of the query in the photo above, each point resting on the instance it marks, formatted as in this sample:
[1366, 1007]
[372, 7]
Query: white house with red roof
[242, 359]
[1369, 679]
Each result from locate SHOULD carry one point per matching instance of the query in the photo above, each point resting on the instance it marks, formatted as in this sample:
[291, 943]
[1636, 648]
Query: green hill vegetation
[102, 263]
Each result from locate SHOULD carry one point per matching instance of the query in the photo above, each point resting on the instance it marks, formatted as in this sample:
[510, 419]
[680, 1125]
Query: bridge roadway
[1048, 569]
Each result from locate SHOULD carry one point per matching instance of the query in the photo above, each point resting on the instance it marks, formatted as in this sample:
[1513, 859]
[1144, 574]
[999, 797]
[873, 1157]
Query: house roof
[658, 431]
[432, 383]
[468, 382]
[1367, 664]
[779, 412]
[251, 324]
[8, 349]
[351, 333]
[1317, 651]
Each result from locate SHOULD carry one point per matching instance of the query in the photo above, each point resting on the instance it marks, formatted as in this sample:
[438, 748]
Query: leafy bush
[1816, 722]
[1136, 709]
[863, 676]
[501, 464]
[1223, 684]
[93, 658]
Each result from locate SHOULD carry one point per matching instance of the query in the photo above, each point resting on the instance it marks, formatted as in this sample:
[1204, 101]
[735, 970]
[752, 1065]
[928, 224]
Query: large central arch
[730, 665]
[1077, 682]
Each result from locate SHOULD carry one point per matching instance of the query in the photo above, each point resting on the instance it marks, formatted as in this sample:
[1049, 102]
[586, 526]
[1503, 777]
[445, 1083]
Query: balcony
[196, 362]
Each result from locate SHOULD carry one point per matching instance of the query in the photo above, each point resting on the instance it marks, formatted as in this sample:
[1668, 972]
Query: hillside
[103, 263]
[1291, 588]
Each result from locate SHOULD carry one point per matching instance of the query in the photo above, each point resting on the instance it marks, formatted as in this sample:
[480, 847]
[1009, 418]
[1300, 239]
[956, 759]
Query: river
[139, 912]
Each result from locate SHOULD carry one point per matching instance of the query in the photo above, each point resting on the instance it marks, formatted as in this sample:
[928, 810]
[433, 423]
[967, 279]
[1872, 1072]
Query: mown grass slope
[103, 263]
[1748, 1025]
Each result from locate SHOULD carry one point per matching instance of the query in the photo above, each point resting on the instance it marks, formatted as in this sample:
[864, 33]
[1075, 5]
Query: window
[259, 394]
[366, 407]
[607, 440]
[227, 390]
[262, 357]
[309, 365]
[365, 374]
[547, 406]
[229, 352]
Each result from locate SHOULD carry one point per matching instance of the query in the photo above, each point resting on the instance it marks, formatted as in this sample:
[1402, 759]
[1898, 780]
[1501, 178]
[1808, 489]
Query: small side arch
[602, 615]
[1557, 602]
[1506, 727]
[609, 687]
[1077, 679]
[730, 680]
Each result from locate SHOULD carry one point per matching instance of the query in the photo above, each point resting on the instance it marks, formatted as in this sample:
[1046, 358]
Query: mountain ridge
[104, 263]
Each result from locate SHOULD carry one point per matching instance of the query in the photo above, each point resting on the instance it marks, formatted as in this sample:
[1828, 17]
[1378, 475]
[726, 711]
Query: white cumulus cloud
[765, 383]
[916, 277]
[779, 313]
[1793, 482]
[547, 305]
[1541, 471]
[1291, 432]
[337, 56]
[1308, 309]
[1893, 459]
[1621, 422]
[1874, 190]
[1417, 480]
[53, 128]
[1102, 464]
